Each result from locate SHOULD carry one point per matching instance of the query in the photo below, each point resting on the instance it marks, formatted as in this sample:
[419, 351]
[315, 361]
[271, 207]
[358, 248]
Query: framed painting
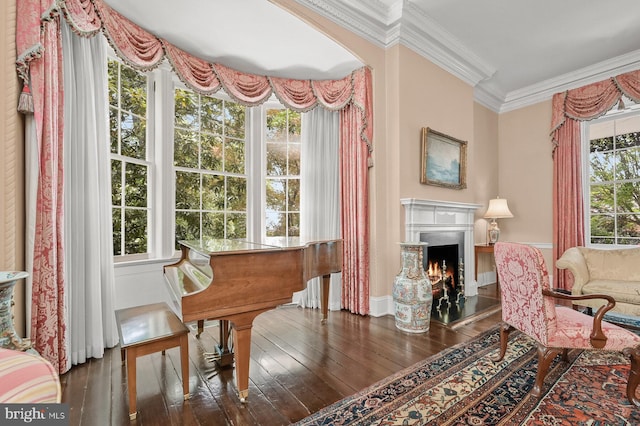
[443, 160]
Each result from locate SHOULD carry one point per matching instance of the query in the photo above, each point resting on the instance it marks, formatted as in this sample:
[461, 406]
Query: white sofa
[612, 272]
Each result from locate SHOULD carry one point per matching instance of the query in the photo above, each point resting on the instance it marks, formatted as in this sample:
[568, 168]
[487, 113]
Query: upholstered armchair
[529, 305]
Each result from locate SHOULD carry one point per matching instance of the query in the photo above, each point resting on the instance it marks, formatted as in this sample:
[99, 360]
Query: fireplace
[447, 227]
[442, 261]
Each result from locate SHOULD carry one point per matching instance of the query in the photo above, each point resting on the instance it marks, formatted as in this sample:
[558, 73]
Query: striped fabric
[27, 378]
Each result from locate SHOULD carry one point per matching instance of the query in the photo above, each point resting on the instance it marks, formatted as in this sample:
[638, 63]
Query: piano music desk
[147, 329]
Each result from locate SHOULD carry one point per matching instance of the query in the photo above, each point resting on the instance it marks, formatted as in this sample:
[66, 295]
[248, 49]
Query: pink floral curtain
[569, 108]
[355, 159]
[39, 66]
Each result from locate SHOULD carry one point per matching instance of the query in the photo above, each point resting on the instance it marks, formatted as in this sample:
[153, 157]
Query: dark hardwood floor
[298, 366]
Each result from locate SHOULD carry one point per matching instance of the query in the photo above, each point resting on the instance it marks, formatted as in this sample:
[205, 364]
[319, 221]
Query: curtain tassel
[621, 105]
[25, 102]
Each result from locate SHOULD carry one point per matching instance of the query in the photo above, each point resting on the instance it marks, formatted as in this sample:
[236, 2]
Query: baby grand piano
[236, 280]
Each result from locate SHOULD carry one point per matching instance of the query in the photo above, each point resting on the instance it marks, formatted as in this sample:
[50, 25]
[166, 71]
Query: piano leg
[326, 280]
[242, 325]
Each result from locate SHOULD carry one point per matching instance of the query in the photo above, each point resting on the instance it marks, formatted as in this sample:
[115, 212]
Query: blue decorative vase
[412, 291]
[8, 337]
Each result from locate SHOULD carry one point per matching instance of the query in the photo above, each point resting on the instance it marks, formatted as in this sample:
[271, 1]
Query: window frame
[614, 114]
[148, 161]
[161, 84]
[287, 177]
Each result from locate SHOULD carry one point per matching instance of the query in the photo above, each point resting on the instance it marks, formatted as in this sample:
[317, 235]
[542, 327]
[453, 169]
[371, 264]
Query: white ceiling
[514, 52]
[253, 36]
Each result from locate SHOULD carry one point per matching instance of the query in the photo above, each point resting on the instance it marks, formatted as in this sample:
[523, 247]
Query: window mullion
[163, 173]
[255, 170]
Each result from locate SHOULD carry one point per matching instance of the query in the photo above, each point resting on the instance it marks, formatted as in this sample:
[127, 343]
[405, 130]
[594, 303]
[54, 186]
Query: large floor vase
[8, 337]
[412, 291]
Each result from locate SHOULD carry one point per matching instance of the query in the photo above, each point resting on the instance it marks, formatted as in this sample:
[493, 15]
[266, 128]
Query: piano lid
[219, 246]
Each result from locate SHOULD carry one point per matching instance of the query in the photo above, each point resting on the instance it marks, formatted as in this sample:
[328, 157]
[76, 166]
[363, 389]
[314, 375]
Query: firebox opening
[441, 259]
[442, 268]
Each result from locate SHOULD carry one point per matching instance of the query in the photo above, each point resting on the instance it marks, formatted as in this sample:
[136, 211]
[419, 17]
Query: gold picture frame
[443, 160]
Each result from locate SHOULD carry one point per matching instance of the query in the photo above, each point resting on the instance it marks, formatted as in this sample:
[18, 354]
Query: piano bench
[147, 329]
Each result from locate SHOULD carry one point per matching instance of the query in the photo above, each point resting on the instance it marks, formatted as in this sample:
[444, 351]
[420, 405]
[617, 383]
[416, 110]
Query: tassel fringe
[25, 102]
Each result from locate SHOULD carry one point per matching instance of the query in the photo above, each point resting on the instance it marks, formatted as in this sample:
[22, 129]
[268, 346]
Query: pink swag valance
[144, 51]
[592, 101]
[569, 108]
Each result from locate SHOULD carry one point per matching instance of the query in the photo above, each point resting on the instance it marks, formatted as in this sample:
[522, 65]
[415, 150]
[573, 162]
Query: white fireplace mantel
[422, 216]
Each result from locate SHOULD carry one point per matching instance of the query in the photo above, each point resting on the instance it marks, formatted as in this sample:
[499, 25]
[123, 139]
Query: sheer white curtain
[89, 274]
[320, 192]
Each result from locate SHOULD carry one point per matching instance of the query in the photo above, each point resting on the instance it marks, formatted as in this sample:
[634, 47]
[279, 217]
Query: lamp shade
[498, 209]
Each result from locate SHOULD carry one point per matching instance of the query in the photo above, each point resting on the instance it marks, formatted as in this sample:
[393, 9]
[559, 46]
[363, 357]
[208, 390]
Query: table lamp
[498, 209]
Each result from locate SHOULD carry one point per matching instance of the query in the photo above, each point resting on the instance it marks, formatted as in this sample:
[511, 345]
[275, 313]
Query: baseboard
[381, 306]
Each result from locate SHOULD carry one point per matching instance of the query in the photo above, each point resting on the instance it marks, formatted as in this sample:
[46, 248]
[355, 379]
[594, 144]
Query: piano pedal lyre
[211, 373]
[212, 356]
[223, 354]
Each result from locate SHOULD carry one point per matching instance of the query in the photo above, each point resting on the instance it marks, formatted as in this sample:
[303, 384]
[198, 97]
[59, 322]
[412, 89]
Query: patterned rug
[629, 321]
[462, 386]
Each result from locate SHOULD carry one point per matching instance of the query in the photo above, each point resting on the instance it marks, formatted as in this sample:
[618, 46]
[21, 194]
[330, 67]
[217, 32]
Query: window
[189, 166]
[129, 159]
[283, 173]
[613, 152]
[209, 160]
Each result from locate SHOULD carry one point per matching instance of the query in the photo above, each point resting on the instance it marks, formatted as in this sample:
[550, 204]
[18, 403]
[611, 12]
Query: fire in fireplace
[441, 259]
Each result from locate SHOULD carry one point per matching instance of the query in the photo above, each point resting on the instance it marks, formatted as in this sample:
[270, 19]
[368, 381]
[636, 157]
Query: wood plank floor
[298, 366]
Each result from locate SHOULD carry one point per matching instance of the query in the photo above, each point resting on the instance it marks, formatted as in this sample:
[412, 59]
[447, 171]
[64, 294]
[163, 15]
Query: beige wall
[12, 159]
[508, 155]
[431, 97]
[526, 174]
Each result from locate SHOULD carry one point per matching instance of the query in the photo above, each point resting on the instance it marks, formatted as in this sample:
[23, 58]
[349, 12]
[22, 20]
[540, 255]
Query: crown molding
[405, 23]
[426, 37]
[372, 20]
[546, 89]
[389, 22]
[488, 98]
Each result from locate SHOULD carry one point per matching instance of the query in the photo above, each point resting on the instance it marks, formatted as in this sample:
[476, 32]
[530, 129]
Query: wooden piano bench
[147, 329]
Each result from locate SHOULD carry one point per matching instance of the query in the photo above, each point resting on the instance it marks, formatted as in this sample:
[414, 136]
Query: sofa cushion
[620, 264]
[622, 291]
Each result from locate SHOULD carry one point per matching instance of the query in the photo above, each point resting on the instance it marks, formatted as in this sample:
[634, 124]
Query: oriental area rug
[462, 386]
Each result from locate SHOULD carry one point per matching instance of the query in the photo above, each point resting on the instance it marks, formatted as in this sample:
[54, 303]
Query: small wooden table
[485, 248]
[147, 329]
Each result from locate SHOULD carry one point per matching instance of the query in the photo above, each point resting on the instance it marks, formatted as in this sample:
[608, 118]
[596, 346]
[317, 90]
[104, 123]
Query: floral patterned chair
[529, 305]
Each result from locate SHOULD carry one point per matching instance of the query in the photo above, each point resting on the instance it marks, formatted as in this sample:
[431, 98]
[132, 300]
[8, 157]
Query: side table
[488, 249]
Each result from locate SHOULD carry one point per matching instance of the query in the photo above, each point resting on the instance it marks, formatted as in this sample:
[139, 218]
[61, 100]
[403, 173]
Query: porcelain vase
[8, 337]
[412, 291]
